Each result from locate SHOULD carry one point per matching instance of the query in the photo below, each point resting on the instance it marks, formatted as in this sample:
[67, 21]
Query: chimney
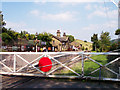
[58, 33]
[64, 34]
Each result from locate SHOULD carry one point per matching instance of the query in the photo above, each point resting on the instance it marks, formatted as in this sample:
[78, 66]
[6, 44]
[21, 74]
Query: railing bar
[3, 60]
[112, 61]
[105, 53]
[64, 65]
[30, 63]
[95, 62]
[60, 55]
[14, 65]
[111, 70]
[82, 65]
[94, 71]
[6, 66]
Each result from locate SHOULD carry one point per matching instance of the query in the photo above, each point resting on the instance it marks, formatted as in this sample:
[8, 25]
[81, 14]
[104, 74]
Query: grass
[89, 66]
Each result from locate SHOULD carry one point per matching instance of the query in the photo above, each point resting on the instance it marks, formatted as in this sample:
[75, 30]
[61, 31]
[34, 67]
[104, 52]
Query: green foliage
[95, 41]
[105, 41]
[113, 46]
[71, 38]
[4, 30]
[12, 33]
[24, 35]
[6, 38]
[94, 38]
[102, 44]
[27, 36]
[117, 32]
[45, 37]
[2, 23]
[32, 36]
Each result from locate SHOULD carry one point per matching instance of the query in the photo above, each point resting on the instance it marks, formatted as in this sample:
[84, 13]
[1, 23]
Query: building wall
[56, 43]
[59, 44]
[84, 44]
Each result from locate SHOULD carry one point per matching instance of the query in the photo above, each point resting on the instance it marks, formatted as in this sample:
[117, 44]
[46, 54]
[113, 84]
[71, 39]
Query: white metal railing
[17, 56]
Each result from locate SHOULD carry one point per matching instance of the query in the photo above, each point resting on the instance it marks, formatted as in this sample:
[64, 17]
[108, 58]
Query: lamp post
[36, 41]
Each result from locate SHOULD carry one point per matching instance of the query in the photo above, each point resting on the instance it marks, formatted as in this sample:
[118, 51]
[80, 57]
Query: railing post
[14, 63]
[82, 65]
[119, 74]
[100, 73]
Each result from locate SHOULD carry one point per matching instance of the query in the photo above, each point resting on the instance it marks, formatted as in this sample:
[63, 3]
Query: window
[81, 45]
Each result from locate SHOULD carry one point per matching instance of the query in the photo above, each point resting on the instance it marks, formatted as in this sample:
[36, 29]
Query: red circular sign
[45, 64]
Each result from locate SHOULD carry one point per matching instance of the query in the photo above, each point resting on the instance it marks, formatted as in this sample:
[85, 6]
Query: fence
[64, 65]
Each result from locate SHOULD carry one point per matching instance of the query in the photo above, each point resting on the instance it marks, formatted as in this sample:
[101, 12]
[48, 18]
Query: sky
[80, 19]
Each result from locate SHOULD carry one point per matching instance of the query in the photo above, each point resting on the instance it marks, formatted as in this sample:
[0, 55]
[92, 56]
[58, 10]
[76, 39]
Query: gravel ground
[65, 83]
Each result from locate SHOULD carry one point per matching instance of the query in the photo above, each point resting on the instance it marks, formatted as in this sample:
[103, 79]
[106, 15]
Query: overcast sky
[80, 19]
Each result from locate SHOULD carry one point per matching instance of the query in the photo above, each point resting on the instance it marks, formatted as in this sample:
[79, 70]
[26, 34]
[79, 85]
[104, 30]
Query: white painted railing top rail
[97, 53]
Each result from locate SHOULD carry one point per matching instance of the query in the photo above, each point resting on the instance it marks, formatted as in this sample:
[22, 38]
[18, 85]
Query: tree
[71, 38]
[27, 36]
[2, 23]
[7, 38]
[4, 30]
[117, 32]
[32, 36]
[94, 39]
[113, 46]
[46, 37]
[105, 41]
[12, 33]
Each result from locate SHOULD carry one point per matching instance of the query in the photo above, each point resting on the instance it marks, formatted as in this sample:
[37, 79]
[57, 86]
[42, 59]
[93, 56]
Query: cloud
[97, 13]
[35, 12]
[103, 12]
[15, 26]
[64, 16]
[39, 2]
[99, 27]
[88, 7]
[66, 4]
[89, 30]
[19, 26]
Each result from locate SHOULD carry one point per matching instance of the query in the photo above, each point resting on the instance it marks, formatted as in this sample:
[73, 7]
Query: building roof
[74, 43]
[61, 39]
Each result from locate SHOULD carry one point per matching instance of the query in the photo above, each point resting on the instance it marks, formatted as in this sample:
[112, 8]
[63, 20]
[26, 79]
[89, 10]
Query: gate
[72, 65]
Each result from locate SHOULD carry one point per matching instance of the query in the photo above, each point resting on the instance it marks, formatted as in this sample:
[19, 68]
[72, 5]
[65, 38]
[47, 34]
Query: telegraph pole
[119, 19]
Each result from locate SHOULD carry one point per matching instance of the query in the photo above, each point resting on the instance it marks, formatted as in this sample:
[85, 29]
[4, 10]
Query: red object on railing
[45, 64]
